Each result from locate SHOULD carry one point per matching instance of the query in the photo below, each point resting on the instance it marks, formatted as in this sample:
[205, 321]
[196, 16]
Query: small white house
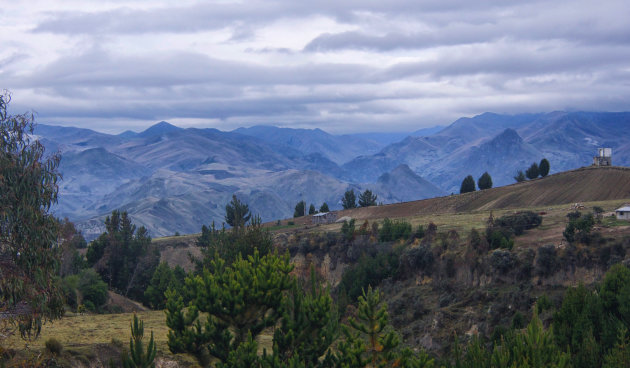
[324, 218]
[623, 213]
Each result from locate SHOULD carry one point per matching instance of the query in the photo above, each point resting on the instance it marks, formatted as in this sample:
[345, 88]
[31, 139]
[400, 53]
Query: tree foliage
[232, 304]
[367, 198]
[468, 185]
[137, 357]
[300, 209]
[520, 176]
[163, 278]
[544, 167]
[30, 292]
[532, 172]
[324, 208]
[123, 256]
[227, 245]
[369, 340]
[349, 199]
[485, 181]
[311, 209]
[236, 213]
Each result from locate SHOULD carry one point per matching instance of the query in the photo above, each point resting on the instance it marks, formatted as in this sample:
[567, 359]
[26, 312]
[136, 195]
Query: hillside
[586, 184]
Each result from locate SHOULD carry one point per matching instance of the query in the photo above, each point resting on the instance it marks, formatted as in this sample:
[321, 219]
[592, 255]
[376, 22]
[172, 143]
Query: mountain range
[171, 179]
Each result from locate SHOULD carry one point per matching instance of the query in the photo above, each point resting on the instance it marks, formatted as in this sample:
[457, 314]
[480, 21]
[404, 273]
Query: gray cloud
[362, 64]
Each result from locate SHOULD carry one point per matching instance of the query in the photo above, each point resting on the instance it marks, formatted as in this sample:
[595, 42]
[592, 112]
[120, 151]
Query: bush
[394, 230]
[520, 176]
[500, 239]
[93, 289]
[546, 260]
[53, 346]
[579, 227]
[419, 258]
[502, 260]
[519, 222]
[347, 229]
[368, 271]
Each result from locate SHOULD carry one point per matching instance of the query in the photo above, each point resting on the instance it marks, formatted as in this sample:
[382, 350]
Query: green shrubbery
[395, 230]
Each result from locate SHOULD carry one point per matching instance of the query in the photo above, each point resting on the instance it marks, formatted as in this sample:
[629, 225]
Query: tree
[543, 167]
[324, 208]
[30, 291]
[123, 256]
[236, 213]
[312, 210]
[367, 199]
[468, 185]
[137, 357]
[369, 341]
[300, 208]
[532, 172]
[520, 176]
[228, 245]
[485, 181]
[163, 278]
[349, 200]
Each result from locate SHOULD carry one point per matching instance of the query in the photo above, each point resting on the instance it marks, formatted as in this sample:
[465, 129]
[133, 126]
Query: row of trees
[468, 184]
[534, 171]
[366, 199]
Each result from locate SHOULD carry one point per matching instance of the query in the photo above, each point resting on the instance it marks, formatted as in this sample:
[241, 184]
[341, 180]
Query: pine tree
[299, 209]
[532, 172]
[137, 357]
[369, 340]
[543, 167]
[468, 185]
[237, 300]
[237, 213]
[520, 176]
[311, 209]
[349, 200]
[324, 208]
[485, 181]
[367, 198]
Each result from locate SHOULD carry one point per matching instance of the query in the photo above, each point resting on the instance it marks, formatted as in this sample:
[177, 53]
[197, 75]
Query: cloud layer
[340, 66]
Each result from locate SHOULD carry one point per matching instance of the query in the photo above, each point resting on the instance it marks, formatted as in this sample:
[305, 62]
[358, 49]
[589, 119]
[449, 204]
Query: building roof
[623, 209]
[320, 214]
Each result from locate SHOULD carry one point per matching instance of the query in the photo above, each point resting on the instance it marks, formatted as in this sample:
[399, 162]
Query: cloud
[342, 66]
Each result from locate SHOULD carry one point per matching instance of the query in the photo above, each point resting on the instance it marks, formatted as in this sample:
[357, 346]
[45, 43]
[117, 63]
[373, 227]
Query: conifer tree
[367, 199]
[137, 357]
[520, 176]
[349, 200]
[468, 185]
[369, 340]
[324, 208]
[300, 207]
[532, 172]
[311, 209]
[543, 167]
[237, 213]
[485, 181]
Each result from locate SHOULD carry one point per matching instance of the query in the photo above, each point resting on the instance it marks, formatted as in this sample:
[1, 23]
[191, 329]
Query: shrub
[519, 222]
[502, 260]
[93, 289]
[500, 239]
[347, 229]
[546, 260]
[53, 346]
[394, 230]
[370, 270]
[419, 258]
[579, 227]
[518, 321]
[520, 176]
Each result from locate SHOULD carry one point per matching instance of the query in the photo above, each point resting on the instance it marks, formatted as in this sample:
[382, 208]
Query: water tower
[603, 158]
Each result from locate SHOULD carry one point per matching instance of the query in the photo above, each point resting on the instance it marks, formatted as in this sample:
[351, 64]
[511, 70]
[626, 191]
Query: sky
[341, 66]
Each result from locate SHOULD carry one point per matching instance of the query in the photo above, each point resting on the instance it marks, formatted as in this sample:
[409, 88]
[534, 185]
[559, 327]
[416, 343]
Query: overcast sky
[342, 66]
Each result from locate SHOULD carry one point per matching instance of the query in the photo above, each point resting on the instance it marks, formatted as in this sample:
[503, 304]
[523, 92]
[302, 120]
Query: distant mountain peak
[508, 136]
[160, 128]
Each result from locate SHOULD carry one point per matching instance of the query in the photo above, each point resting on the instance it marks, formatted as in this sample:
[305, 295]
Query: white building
[623, 213]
